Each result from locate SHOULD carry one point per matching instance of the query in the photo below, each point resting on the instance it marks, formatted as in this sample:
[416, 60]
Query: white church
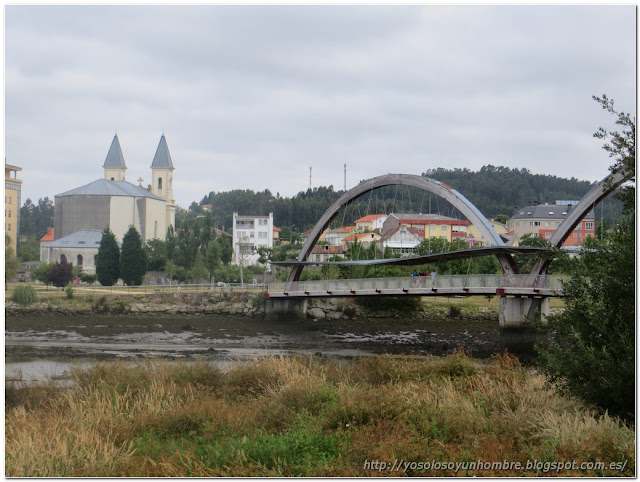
[81, 214]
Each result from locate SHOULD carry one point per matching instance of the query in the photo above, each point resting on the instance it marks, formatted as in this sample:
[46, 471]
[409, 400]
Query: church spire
[114, 165]
[162, 159]
[162, 178]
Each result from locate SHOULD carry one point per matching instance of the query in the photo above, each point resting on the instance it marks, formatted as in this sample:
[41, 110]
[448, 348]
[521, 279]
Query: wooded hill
[493, 190]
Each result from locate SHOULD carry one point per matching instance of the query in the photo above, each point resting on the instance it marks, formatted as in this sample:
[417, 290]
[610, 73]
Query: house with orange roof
[432, 225]
[370, 222]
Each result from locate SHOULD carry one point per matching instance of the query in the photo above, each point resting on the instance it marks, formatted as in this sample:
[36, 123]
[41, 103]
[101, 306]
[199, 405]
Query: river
[46, 346]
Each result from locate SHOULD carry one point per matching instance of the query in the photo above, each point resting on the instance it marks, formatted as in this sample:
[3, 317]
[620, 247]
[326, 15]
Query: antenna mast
[310, 177]
[345, 177]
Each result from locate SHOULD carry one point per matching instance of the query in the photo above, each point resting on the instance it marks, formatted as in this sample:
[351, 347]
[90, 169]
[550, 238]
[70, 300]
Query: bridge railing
[524, 281]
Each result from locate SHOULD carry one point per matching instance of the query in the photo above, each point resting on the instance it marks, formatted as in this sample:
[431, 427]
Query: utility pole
[310, 178]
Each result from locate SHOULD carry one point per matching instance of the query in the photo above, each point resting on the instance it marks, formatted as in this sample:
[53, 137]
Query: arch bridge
[522, 295]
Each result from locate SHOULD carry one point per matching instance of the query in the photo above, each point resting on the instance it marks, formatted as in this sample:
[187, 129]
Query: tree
[61, 273]
[622, 148]
[133, 260]
[212, 257]
[43, 273]
[10, 261]
[592, 343]
[156, 253]
[199, 271]
[108, 259]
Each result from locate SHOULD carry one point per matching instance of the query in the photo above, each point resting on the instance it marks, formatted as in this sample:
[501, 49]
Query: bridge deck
[454, 285]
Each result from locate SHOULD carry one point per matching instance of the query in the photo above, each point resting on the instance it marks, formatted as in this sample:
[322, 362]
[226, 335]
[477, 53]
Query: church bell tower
[162, 179]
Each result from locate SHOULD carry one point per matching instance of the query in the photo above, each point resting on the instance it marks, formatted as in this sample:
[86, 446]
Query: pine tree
[108, 259]
[133, 259]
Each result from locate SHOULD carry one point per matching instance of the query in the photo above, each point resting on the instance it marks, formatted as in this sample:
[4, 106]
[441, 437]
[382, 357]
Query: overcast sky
[251, 97]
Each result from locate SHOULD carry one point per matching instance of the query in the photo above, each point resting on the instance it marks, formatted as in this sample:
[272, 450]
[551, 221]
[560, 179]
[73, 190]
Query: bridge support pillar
[517, 332]
[517, 312]
[285, 309]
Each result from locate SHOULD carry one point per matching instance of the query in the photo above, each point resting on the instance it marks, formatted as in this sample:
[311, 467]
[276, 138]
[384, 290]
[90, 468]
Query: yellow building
[476, 239]
[12, 191]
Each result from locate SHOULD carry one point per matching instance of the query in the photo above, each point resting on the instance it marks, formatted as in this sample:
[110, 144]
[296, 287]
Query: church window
[63, 258]
[79, 260]
[159, 183]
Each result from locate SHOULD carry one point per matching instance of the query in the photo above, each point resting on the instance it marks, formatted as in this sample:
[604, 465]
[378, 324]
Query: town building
[475, 238]
[115, 203]
[249, 234]
[12, 203]
[371, 222]
[542, 220]
[335, 237]
[433, 225]
[79, 248]
[324, 252]
[402, 240]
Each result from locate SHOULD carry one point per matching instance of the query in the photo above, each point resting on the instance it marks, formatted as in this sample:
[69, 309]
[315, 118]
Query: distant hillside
[493, 190]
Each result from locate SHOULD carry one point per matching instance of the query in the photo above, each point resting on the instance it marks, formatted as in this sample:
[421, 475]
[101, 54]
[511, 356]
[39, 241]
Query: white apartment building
[249, 234]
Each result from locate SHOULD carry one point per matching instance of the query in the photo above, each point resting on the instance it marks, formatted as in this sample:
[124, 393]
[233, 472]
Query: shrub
[24, 295]
[69, 291]
[258, 301]
[88, 278]
[454, 311]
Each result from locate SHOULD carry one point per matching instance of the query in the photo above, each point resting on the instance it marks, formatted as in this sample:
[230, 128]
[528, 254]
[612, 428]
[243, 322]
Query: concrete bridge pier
[285, 309]
[517, 312]
[517, 332]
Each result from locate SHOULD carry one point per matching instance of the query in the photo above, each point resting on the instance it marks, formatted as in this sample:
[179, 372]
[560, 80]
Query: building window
[536, 223]
[79, 260]
[443, 228]
[159, 183]
[9, 212]
[588, 225]
[9, 199]
[547, 235]
[9, 227]
[63, 258]
[547, 224]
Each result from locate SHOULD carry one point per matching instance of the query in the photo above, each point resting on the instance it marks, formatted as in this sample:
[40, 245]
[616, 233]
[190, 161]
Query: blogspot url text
[479, 465]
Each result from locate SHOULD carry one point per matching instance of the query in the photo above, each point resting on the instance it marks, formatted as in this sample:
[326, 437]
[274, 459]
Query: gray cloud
[251, 96]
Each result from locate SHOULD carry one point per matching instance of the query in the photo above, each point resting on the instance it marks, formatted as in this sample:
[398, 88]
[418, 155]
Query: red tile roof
[370, 217]
[327, 249]
[347, 229]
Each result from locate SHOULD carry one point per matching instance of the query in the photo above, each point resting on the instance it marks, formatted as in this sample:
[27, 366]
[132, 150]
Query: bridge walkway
[442, 285]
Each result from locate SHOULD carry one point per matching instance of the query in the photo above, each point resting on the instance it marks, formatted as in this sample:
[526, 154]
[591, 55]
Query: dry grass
[304, 417]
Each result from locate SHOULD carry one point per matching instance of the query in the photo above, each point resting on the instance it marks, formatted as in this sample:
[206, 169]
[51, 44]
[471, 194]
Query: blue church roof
[162, 157]
[105, 187]
[114, 156]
